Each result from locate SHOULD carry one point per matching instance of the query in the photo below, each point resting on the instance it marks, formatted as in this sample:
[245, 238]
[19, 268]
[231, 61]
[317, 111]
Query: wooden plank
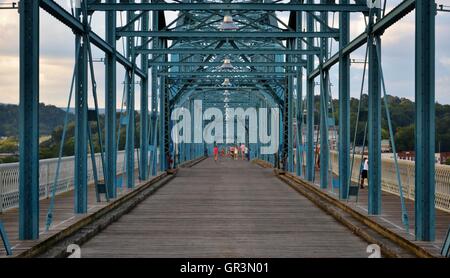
[226, 209]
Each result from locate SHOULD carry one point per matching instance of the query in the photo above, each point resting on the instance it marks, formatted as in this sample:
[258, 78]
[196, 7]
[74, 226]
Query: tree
[404, 138]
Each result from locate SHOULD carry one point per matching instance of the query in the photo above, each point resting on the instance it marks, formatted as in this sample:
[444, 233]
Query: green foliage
[49, 117]
[404, 138]
[9, 145]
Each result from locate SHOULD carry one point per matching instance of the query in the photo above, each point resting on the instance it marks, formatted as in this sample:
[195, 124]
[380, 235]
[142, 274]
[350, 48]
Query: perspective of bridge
[225, 73]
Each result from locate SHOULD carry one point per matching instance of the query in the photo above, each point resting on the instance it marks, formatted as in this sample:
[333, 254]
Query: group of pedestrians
[233, 152]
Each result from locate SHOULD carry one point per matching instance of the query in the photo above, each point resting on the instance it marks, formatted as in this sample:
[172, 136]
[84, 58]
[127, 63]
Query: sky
[57, 57]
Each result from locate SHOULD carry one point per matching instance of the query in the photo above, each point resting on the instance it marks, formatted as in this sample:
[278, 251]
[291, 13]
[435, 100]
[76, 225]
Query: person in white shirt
[364, 172]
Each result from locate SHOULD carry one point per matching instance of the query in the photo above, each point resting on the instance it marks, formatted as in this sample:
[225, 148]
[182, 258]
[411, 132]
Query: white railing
[9, 177]
[407, 174]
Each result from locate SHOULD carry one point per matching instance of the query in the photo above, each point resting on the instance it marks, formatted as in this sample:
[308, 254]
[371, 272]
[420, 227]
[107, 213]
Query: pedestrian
[216, 153]
[236, 152]
[364, 172]
[243, 151]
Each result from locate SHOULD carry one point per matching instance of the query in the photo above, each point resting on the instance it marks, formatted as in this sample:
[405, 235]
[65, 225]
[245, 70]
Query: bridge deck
[63, 217]
[228, 209]
[391, 217]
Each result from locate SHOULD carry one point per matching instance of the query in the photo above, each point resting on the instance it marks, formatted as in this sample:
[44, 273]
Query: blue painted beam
[344, 105]
[81, 127]
[310, 171]
[290, 116]
[227, 7]
[130, 85]
[144, 142]
[163, 125]
[227, 51]
[374, 133]
[425, 120]
[172, 64]
[209, 74]
[154, 95]
[110, 100]
[208, 35]
[324, 98]
[299, 104]
[29, 121]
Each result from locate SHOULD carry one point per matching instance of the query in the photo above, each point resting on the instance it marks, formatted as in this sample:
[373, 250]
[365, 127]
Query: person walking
[364, 172]
[243, 151]
[236, 152]
[216, 153]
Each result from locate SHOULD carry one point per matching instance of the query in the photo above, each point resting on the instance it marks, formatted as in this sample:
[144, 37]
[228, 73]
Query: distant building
[385, 146]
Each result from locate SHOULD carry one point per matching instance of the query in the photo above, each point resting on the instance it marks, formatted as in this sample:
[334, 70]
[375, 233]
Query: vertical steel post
[144, 105]
[130, 107]
[344, 104]
[290, 115]
[29, 121]
[110, 101]
[154, 95]
[299, 160]
[310, 172]
[374, 175]
[425, 120]
[162, 122]
[324, 98]
[81, 124]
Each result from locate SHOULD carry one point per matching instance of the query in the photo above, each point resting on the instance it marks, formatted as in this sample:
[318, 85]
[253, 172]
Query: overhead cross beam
[204, 35]
[229, 7]
[236, 64]
[222, 51]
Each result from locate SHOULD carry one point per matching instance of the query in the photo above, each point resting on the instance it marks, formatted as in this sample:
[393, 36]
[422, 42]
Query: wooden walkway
[391, 214]
[63, 217]
[226, 209]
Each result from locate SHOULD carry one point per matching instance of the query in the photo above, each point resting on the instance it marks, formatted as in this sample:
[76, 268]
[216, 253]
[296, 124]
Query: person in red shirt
[216, 153]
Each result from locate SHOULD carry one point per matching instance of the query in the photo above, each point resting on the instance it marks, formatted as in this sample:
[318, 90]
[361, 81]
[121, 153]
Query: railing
[9, 177]
[407, 174]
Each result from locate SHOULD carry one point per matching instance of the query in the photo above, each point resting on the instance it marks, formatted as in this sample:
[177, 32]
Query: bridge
[217, 75]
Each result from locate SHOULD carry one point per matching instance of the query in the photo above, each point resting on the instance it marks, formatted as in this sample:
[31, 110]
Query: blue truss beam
[209, 74]
[228, 7]
[236, 64]
[344, 105]
[205, 35]
[144, 141]
[310, 104]
[374, 125]
[29, 121]
[189, 51]
[110, 100]
[425, 120]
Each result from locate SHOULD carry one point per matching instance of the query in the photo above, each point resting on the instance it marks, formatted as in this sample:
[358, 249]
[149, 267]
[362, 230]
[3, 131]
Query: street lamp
[228, 23]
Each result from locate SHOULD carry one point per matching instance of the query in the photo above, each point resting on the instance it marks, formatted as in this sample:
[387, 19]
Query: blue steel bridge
[161, 198]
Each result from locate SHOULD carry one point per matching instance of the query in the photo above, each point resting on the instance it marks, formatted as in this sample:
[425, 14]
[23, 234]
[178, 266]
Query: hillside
[49, 118]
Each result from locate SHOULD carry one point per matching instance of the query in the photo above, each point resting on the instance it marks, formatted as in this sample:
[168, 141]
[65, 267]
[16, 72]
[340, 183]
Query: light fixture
[226, 99]
[228, 23]
[226, 82]
[226, 93]
[227, 64]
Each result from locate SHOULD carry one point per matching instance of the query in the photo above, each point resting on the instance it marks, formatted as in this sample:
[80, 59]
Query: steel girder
[158, 6]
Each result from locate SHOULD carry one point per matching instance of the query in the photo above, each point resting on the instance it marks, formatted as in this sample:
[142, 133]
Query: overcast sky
[57, 44]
